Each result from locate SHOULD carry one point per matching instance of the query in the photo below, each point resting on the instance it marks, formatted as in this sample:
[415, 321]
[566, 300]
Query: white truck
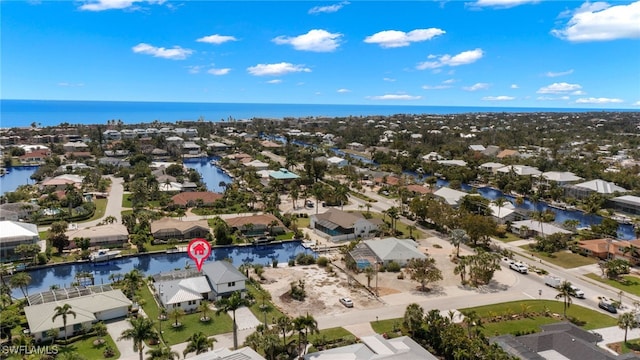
[553, 281]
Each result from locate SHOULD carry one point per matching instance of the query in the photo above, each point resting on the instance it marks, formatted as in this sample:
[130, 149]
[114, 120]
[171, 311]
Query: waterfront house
[583, 190]
[170, 228]
[376, 347]
[560, 178]
[627, 204]
[520, 170]
[60, 182]
[256, 225]
[337, 161]
[92, 304]
[17, 211]
[356, 146]
[531, 228]
[257, 164]
[190, 148]
[283, 175]
[185, 294]
[35, 156]
[195, 198]
[503, 214]
[450, 196]
[16, 233]
[384, 251]
[337, 225]
[109, 235]
[224, 278]
[491, 167]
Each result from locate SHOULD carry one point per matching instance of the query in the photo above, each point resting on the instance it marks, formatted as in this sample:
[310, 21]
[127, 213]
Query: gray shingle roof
[221, 272]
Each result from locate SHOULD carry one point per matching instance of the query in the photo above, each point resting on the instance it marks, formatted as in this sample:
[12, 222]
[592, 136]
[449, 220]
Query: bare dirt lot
[324, 288]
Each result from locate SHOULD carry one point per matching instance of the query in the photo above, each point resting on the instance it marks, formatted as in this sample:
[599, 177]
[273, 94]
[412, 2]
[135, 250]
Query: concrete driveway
[115, 329]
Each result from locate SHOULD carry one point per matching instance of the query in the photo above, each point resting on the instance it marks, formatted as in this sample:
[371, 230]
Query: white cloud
[276, 69]
[449, 81]
[317, 40]
[498, 98]
[503, 3]
[396, 38]
[389, 79]
[219, 72]
[274, 81]
[463, 58]
[216, 39]
[101, 5]
[601, 22]
[328, 9]
[342, 91]
[578, 92]
[175, 53]
[436, 87]
[514, 86]
[194, 69]
[559, 88]
[476, 87]
[637, 103]
[394, 97]
[593, 100]
[561, 73]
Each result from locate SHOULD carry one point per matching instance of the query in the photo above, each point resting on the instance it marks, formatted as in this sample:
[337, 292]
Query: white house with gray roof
[384, 251]
[89, 309]
[450, 196]
[186, 294]
[560, 177]
[16, 233]
[627, 204]
[583, 190]
[224, 278]
[337, 225]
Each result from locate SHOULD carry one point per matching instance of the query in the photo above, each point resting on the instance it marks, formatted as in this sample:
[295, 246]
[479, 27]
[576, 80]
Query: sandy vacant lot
[324, 288]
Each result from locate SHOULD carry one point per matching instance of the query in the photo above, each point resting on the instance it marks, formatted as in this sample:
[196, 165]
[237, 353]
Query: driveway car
[346, 302]
[608, 305]
[577, 292]
[519, 267]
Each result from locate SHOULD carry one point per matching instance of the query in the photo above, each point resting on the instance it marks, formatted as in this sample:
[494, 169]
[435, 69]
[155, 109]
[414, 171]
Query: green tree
[458, 237]
[141, 330]
[57, 237]
[28, 251]
[162, 352]
[63, 311]
[565, 291]
[627, 321]
[176, 314]
[423, 271]
[204, 310]
[21, 281]
[304, 325]
[232, 303]
[198, 343]
[413, 319]
[284, 325]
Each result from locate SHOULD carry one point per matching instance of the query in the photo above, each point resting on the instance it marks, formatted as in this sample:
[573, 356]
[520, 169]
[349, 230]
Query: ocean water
[17, 113]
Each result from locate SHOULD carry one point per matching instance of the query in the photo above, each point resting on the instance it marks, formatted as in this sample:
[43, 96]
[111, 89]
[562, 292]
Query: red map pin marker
[199, 250]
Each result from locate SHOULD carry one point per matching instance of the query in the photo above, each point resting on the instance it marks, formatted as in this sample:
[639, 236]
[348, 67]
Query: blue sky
[512, 53]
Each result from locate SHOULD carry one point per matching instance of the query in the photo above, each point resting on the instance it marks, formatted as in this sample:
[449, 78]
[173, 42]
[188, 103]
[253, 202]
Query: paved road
[114, 203]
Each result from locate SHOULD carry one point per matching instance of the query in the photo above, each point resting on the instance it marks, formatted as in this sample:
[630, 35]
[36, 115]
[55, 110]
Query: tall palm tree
[500, 201]
[232, 303]
[63, 311]
[627, 321]
[21, 280]
[162, 352]
[204, 309]
[176, 314]
[283, 324]
[142, 330]
[565, 291]
[304, 325]
[199, 343]
[458, 237]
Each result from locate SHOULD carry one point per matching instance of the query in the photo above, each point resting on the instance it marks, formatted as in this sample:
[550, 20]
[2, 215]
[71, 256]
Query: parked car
[607, 304]
[519, 267]
[553, 281]
[346, 302]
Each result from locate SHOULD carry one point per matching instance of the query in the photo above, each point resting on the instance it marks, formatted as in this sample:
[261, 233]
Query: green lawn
[329, 334]
[303, 222]
[630, 284]
[536, 308]
[272, 311]
[631, 345]
[83, 347]
[388, 327]
[508, 237]
[190, 323]
[101, 207]
[126, 203]
[565, 259]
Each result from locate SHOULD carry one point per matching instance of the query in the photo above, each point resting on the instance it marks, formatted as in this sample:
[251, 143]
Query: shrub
[305, 259]
[393, 266]
[322, 261]
[274, 263]
[292, 262]
[297, 291]
[109, 352]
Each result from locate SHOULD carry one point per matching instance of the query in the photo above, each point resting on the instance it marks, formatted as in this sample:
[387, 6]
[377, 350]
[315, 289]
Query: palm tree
[627, 321]
[304, 325]
[204, 309]
[177, 314]
[63, 311]
[472, 319]
[369, 272]
[284, 325]
[411, 229]
[21, 280]
[565, 291]
[232, 303]
[342, 195]
[458, 237]
[500, 203]
[413, 318]
[198, 343]
[162, 352]
[142, 330]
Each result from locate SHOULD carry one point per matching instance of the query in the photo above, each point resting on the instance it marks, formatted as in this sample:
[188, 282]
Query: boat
[103, 255]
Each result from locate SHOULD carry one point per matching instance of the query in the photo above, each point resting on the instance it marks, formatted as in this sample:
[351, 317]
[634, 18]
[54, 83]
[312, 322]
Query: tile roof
[193, 196]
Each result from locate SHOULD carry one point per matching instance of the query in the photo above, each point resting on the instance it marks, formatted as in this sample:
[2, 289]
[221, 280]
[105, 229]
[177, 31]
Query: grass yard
[101, 207]
[508, 237]
[329, 334]
[83, 347]
[565, 259]
[536, 309]
[303, 222]
[389, 327]
[191, 323]
[632, 345]
[630, 284]
[272, 313]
